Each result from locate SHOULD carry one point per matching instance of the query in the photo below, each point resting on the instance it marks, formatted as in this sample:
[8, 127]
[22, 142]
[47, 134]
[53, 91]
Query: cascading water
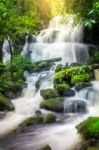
[59, 40]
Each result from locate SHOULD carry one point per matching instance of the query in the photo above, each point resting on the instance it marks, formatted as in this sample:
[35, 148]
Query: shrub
[80, 78]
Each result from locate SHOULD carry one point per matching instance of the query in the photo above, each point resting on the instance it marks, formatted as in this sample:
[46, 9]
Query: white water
[59, 40]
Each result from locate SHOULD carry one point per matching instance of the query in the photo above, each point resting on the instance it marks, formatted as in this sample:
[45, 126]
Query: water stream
[59, 40]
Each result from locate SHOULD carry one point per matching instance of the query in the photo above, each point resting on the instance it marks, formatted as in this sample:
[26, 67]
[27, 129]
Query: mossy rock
[54, 104]
[58, 68]
[89, 128]
[32, 121]
[47, 147]
[74, 64]
[65, 90]
[50, 118]
[49, 93]
[5, 103]
[81, 85]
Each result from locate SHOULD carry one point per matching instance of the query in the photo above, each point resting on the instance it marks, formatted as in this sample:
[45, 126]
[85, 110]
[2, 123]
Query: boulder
[89, 128]
[53, 104]
[47, 147]
[49, 93]
[32, 121]
[50, 118]
[64, 90]
[82, 85]
[5, 103]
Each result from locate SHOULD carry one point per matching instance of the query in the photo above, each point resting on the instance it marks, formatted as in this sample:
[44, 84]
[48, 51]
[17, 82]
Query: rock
[74, 64]
[91, 144]
[5, 103]
[38, 112]
[64, 90]
[49, 93]
[32, 121]
[53, 104]
[58, 68]
[50, 118]
[81, 85]
[89, 128]
[2, 114]
[47, 147]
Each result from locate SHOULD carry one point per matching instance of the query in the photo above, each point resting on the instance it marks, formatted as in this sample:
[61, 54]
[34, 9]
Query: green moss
[50, 118]
[89, 128]
[49, 93]
[5, 103]
[32, 121]
[54, 104]
[92, 148]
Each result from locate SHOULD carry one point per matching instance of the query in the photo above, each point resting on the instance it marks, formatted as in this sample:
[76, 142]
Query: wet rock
[49, 93]
[91, 144]
[5, 103]
[50, 118]
[53, 104]
[32, 121]
[81, 85]
[38, 112]
[47, 147]
[2, 114]
[89, 128]
[64, 90]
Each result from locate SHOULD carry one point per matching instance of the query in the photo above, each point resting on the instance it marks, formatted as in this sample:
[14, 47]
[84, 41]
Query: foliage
[80, 78]
[65, 75]
[89, 128]
[19, 65]
[94, 58]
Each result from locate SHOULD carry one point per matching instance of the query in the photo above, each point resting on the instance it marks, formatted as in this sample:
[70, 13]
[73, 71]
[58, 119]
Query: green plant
[80, 78]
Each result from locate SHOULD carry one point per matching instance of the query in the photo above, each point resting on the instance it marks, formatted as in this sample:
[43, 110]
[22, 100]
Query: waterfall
[61, 39]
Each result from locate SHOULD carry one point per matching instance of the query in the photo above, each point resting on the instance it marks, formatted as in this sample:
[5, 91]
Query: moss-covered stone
[49, 93]
[5, 103]
[89, 128]
[50, 118]
[32, 121]
[65, 90]
[58, 68]
[54, 104]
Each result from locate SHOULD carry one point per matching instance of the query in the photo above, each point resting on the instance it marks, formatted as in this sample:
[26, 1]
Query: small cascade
[6, 51]
[74, 105]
